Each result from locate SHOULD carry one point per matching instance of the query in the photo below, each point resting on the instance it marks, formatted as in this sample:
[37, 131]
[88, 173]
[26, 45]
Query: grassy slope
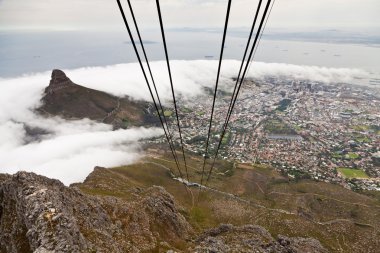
[342, 220]
[353, 173]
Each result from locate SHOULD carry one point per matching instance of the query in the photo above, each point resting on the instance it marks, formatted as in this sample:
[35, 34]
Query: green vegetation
[375, 128]
[277, 126]
[226, 138]
[200, 113]
[198, 215]
[284, 104]
[363, 139]
[337, 155]
[353, 173]
[187, 110]
[351, 156]
[197, 139]
[126, 123]
[359, 137]
[365, 128]
[298, 174]
[360, 128]
[168, 113]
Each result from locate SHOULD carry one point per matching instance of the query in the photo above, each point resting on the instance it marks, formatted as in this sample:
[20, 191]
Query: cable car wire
[241, 81]
[270, 11]
[171, 84]
[238, 76]
[216, 88]
[146, 80]
[243, 60]
[153, 82]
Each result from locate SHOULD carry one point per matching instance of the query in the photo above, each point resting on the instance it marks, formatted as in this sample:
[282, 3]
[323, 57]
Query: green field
[168, 113]
[361, 128]
[337, 155]
[373, 128]
[351, 156]
[283, 105]
[363, 139]
[226, 138]
[352, 173]
[278, 126]
[187, 110]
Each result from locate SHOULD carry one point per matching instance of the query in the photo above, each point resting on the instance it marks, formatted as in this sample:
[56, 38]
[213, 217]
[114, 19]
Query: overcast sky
[103, 14]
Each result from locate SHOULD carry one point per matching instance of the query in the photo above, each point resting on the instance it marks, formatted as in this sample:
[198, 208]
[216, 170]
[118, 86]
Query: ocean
[30, 52]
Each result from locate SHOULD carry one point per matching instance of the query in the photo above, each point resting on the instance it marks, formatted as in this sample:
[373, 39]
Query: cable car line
[153, 82]
[242, 62]
[216, 87]
[270, 11]
[147, 82]
[171, 84]
[241, 81]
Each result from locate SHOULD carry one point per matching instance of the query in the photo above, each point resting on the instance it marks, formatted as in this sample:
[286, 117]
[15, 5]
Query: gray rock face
[251, 238]
[38, 214]
[35, 218]
[42, 215]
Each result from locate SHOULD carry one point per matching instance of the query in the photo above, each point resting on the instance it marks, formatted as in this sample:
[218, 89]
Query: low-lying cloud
[68, 150]
[190, 77]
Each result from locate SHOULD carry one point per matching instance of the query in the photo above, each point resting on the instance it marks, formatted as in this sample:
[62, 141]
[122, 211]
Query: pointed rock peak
[58, 80]
[58, 76]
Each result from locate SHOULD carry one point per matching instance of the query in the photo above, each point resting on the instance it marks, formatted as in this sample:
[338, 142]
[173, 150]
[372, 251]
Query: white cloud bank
[190, 76]
[68, 150]
[72, 157]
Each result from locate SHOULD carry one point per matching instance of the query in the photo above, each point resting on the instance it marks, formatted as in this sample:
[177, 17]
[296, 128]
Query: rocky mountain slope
[38, 214]
[340, 219]
[72, 101]
[250, 238]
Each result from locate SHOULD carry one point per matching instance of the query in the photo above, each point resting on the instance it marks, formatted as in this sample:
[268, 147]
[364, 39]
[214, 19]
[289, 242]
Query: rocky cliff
[250, 238]
[38, 214]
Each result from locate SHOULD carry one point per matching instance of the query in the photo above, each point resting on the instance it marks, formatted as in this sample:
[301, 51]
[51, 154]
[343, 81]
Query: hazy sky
[103, 14]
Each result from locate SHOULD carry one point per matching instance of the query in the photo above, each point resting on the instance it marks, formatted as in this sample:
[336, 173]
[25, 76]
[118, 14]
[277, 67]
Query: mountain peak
[57, 73]
[58, 81]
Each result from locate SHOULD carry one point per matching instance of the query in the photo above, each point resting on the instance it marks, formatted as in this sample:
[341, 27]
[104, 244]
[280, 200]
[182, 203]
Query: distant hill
[72, 101]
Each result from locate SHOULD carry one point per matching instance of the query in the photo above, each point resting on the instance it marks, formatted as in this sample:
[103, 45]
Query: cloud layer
[68, 150]
[190, 76]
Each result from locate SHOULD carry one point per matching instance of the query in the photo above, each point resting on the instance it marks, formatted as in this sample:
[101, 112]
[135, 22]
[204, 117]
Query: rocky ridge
[252, 238]
[38, 214]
